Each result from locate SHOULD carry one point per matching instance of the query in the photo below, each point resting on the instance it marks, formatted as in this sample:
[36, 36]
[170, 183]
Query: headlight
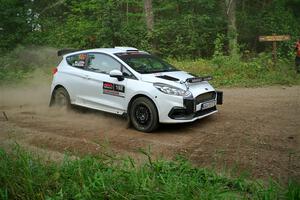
[168, 89]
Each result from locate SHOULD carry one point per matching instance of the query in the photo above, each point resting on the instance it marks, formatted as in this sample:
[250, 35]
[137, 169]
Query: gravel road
[256, 130]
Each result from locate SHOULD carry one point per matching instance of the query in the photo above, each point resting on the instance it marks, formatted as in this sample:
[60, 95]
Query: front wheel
[143, 114]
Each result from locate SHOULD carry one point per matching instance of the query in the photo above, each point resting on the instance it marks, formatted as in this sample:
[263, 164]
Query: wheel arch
[142, 95]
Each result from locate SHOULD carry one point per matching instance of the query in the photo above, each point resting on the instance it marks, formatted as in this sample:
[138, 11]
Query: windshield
[146, 64]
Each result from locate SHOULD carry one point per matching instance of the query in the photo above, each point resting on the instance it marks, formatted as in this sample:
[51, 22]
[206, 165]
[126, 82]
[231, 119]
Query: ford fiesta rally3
[127, 81]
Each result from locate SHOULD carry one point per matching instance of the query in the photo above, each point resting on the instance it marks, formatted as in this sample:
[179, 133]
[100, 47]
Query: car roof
[107, 50]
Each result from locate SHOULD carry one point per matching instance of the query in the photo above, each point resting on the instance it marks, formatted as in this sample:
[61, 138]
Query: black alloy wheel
[143, 114]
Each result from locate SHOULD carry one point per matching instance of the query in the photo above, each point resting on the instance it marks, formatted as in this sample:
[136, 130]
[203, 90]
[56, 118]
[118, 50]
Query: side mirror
[116, 74]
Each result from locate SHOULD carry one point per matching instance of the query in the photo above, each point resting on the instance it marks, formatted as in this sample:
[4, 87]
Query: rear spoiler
[199, 79]
[66, 51]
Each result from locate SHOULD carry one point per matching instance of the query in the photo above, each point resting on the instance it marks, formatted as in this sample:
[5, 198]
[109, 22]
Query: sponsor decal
[113, 89]
[108, 86]
[79, 63]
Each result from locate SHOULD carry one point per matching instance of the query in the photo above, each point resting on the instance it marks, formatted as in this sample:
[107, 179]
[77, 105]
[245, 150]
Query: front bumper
[189, 112]
[178, 113]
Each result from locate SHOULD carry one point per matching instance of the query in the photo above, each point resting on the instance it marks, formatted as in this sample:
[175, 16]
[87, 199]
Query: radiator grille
[205, 97]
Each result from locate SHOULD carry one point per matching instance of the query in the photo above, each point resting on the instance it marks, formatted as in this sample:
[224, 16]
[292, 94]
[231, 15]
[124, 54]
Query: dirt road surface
[257, 130]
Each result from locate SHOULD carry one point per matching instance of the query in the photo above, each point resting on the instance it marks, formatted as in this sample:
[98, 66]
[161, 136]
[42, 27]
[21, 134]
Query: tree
[149, 21]
[149, 15]
[231, 28]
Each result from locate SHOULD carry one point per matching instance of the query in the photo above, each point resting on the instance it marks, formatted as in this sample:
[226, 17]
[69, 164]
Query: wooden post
[274, 52]
[274, 56]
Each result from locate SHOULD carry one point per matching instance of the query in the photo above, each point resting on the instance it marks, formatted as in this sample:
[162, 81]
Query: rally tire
[143, 115]
[61, 98]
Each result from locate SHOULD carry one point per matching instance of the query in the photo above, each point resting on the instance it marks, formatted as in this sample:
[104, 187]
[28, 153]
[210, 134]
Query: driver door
[105, 93]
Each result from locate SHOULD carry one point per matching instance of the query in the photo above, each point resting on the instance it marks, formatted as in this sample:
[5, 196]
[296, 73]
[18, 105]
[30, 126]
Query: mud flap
[219, 97]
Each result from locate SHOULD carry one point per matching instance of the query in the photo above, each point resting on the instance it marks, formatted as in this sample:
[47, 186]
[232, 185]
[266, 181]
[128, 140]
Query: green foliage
[187, 28]
[23, 176]
[228, 71]
[266, 18]
[182, 29]
[90, 24]
[293, 191]
[219, 45]
[13, 24]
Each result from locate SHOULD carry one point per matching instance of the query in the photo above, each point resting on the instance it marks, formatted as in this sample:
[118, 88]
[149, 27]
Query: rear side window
[78, 60]
[102, 63]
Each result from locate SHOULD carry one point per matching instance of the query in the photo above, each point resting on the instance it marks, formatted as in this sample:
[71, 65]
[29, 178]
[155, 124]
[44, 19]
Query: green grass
[24, 176]
[255, 72]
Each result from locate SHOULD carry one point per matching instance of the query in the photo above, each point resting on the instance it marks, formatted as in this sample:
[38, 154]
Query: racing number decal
[113, 89]
[119, 88]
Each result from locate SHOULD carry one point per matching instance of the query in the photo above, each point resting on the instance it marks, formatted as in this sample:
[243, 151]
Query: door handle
[86, 77]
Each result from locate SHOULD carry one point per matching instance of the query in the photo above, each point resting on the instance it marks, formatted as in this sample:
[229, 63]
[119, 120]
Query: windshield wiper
[143, 71]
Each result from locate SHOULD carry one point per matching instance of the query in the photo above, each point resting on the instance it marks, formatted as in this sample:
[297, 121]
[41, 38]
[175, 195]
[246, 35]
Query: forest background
[216, 37]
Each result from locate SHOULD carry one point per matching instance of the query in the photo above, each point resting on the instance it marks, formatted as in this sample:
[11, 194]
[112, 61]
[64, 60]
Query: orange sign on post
[274, 38]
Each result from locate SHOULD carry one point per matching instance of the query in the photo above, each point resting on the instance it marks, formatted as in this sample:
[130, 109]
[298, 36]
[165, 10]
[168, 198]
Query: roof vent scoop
[127, 48]
[170, 78]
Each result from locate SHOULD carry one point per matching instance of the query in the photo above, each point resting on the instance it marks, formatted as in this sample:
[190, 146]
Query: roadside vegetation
[23, 63]
[233, 72]
[26, 176]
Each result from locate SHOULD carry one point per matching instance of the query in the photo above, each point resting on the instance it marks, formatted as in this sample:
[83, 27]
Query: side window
[102, 63]
[78, 60]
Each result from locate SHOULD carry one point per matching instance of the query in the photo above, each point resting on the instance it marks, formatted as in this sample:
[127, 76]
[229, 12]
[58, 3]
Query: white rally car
[126, 81]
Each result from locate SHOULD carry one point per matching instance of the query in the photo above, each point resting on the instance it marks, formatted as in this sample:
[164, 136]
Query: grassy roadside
[19, 64]
[24, 176]
[254, 72]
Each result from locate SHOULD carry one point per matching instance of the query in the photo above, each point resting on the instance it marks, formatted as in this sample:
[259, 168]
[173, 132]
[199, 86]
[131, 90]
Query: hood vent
[170, 78]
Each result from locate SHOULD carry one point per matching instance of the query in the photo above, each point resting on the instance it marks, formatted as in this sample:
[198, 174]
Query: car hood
[178, 79]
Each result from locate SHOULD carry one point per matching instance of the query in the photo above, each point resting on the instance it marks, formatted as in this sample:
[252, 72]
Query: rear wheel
[61, 98]
[143, 114]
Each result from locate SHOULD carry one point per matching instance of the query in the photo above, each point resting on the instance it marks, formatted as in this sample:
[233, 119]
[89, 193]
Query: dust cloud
[33, 92]
[31, 96]
[35, 88]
